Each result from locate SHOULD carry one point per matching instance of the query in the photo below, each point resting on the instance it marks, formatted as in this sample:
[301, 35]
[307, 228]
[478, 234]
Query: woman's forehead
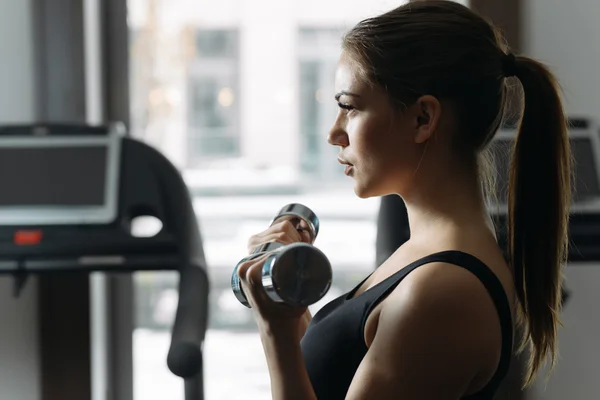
[348, 75]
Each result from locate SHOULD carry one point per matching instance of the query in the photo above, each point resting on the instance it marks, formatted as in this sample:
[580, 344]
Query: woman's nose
[337, 136]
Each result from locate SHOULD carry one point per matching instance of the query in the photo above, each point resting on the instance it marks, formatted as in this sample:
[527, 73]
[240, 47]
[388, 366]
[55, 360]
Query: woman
[421, 91]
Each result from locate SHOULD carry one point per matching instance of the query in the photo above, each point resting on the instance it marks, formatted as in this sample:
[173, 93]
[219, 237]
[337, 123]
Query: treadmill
[69, 196]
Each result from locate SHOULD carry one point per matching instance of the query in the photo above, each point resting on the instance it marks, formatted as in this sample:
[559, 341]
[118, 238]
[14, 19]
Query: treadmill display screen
[53, 176]
[585, 181]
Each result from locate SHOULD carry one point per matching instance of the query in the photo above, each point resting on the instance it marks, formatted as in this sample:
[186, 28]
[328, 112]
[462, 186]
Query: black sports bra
[333, 345]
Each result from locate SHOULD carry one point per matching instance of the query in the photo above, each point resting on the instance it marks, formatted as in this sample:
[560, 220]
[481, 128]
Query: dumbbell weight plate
[298, 275]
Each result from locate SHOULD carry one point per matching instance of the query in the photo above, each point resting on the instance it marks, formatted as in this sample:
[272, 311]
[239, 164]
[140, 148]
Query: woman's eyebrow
[345, 93]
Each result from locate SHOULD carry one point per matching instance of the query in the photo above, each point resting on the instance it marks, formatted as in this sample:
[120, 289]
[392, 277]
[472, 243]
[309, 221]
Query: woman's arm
[435, 334]
[289, 378]
[281, 328]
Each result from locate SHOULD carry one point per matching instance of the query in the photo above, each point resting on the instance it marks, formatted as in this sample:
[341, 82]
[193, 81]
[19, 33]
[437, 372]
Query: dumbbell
[298, 274]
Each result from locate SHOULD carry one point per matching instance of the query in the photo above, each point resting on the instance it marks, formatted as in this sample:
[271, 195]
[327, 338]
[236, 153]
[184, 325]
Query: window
[217, 43]
[213, 97]
[318, 50]
[242, 105]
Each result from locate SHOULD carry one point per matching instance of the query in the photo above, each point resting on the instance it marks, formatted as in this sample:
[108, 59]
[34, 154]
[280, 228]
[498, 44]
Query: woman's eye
[345, 106]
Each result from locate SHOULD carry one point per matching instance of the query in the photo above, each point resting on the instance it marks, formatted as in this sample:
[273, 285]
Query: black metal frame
[60, 87]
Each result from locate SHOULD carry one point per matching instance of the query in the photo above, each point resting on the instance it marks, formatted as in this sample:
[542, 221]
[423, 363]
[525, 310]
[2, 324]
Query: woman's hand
[286, 230]
[270, 315]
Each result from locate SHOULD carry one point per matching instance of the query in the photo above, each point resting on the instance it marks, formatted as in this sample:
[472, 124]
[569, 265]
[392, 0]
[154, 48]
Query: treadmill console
[59, 178]
[585, 147]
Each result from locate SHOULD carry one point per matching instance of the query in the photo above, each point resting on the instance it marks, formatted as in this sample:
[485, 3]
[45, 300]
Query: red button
[24, 238]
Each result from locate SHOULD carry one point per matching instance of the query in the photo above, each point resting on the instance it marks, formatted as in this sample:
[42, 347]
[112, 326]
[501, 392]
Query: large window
[213, 97]
[239, 96]
[318, 50]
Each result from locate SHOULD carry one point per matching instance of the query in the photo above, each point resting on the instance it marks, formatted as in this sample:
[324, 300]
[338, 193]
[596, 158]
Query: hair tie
[509, 65]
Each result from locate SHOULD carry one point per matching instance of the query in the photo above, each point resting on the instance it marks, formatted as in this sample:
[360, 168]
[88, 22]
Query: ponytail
[539, 200]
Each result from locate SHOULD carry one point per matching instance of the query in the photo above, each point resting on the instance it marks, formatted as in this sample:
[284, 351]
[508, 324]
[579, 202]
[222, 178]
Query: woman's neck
[445, 204]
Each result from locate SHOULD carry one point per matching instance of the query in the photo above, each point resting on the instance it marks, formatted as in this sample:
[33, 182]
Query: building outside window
[213, 123]
[318, 50]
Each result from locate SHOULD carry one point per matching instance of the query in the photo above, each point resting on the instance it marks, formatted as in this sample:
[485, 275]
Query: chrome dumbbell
[297, 274]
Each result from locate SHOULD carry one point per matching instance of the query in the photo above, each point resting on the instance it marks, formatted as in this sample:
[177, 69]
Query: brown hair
[442, 48]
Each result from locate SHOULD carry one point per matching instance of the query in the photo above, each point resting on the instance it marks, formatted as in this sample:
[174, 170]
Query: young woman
[421, 91]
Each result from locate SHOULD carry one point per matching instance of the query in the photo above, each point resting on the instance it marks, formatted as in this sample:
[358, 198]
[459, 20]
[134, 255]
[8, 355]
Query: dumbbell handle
[292, 211]
[302, 212]
[266, 247]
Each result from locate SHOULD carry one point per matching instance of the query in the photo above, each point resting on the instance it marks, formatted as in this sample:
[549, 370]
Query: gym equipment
[578, 339]
[70, 208]
[392, 227]
[584, 137]
[297, 274]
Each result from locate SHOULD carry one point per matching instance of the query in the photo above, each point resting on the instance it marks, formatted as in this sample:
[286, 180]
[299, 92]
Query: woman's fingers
[250, 275]
[284, 232]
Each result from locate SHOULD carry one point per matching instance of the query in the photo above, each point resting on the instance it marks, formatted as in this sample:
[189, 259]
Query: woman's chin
[362, 191]
[365, 190]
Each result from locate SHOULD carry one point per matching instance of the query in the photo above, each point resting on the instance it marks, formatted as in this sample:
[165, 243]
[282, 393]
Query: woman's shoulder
[440, 286]
[465, 266]
[469, 280]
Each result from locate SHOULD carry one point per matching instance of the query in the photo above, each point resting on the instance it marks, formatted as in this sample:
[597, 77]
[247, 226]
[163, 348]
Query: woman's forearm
[289, 378]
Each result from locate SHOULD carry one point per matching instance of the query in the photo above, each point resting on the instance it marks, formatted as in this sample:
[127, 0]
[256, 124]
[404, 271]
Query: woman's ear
[428, 112]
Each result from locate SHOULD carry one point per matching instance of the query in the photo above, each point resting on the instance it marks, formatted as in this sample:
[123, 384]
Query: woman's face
[379, 143]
